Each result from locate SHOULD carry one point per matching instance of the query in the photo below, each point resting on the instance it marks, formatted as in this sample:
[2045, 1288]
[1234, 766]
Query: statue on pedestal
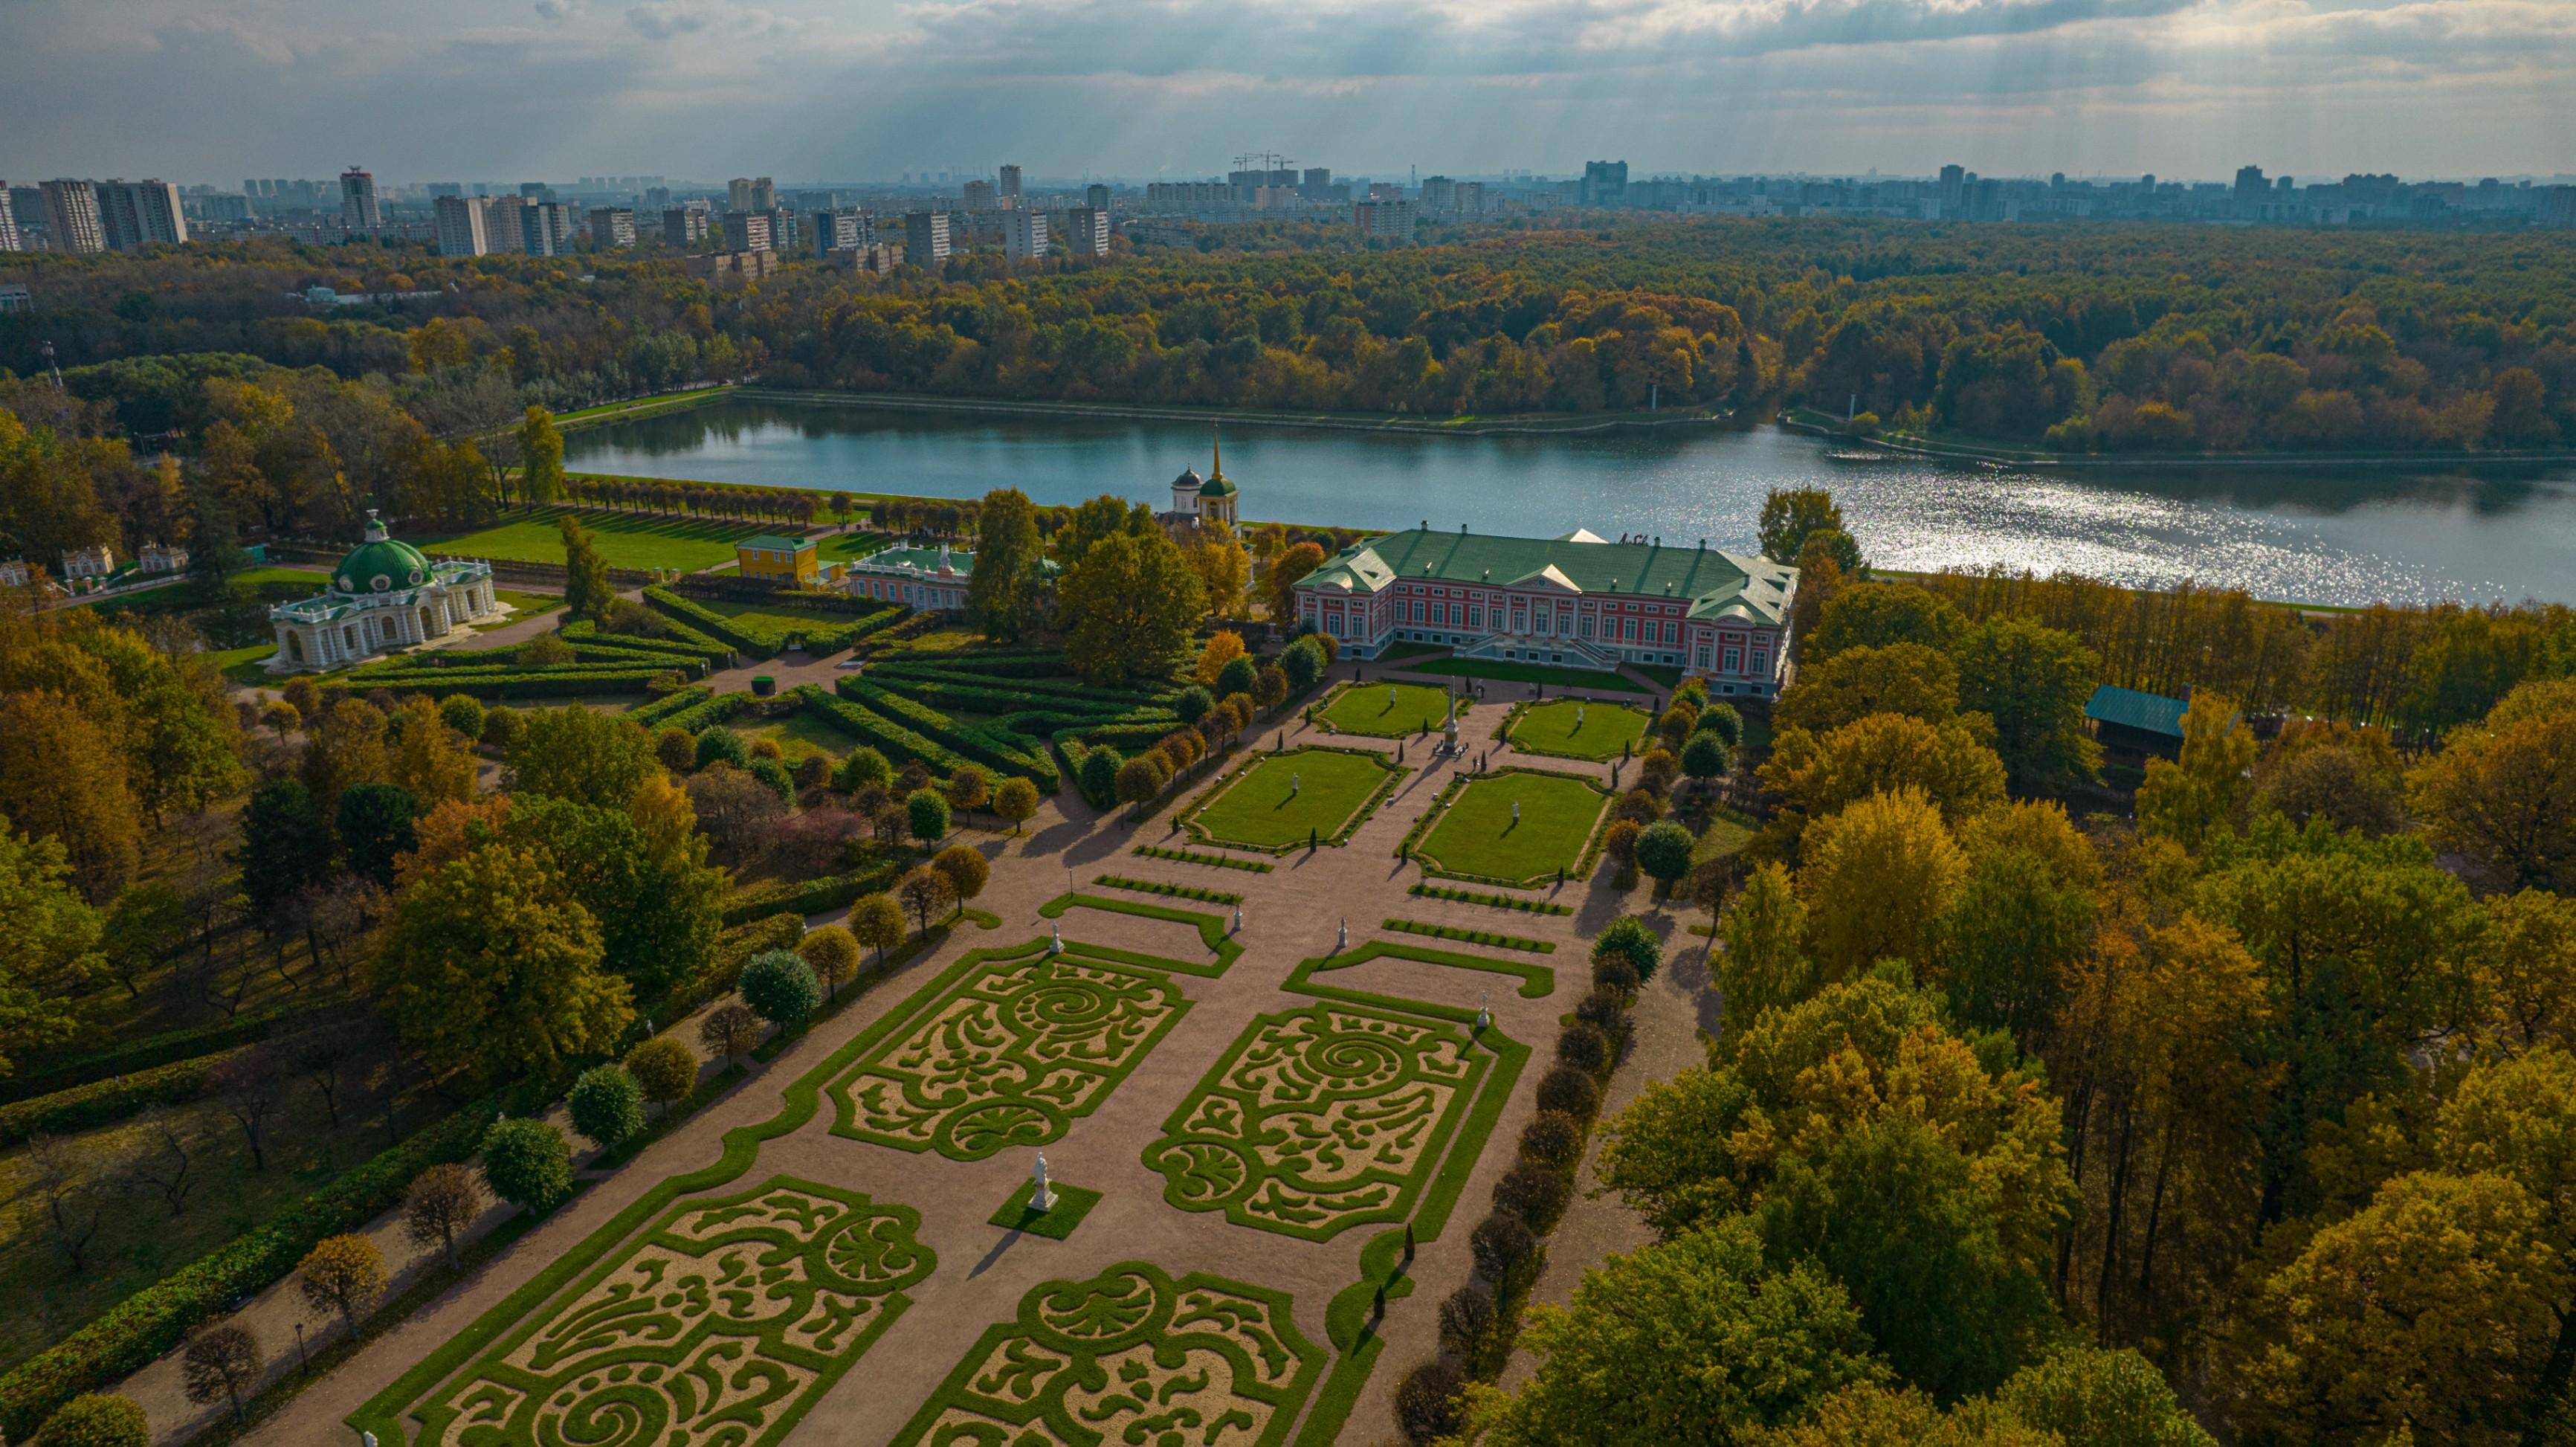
[1043, 1197]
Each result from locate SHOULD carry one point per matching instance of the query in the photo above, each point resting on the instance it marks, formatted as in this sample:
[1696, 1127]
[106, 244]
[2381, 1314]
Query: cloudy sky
[215, 90]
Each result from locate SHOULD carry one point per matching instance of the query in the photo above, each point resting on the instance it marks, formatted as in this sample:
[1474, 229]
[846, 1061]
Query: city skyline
[2182, 88]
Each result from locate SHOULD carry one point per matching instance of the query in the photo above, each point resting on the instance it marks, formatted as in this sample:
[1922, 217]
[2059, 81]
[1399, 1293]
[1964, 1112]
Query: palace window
[1670, 634]
[1734, 660]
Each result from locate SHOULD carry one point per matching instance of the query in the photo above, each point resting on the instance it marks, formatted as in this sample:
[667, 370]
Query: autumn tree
[2206, 791]
[430, 758]
[587, 591]
[1877, 879]
[491, 963]
[441, 1204]
[925, 891]
[2033, 682]
[1016, 800]
[62, 778]
[345, 1274]
[1950, 764]
[1878, 614]
[541, 452]
[1129, 606]
[729, 1029]
[219, 1363]
[1285, 572]
[876, 921]
[2504, 793]
[1791, 515]
[574, 753]
[966, 869]
[1765, 965]
[49, 950]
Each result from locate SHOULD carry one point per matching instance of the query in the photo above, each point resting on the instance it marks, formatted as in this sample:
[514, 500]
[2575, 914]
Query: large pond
[2314, 535]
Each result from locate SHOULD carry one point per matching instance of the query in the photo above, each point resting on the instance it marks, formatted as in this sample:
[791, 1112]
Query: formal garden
[1571, 728]
[1387, 710]
[1514, 826]
[1283, 801]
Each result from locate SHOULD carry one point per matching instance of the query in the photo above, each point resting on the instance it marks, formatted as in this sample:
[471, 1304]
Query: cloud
[669, 19]
[561, 10]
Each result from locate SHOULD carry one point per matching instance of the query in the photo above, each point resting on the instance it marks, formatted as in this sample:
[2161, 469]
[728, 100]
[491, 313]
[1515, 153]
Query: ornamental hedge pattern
[1014, 1051]
[1129, 1356]
[720, 1325]
[1318, 1120]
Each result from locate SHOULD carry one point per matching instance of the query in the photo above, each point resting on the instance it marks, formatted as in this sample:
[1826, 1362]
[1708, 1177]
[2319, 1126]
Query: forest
[2075, 338]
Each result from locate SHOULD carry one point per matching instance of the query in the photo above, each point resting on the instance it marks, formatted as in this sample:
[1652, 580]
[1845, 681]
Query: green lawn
[842, 547]
[1477, 838]
[625, 540]
[1287, 798]
[1726, 832]
[1586, 678]
[529, 605]
[1388, 710]
[770, 615]
[799, 734]
[1605, 730]
[246, 666]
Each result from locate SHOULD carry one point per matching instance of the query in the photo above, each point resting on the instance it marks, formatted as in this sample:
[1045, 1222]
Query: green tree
[2033, 681]
[491, 963]
[1875, 615]
[1695, 1340]
[2101, 1398]
[2205, 793]
[1007, 550]
[1664, 853]
[1631, 939]
[1765, 966]
[1791, 515]
[587, 591]
[607, 1105]
[574, 753]
[2023, 914]
[1129, 606]
[284, 846]
[376, 822]
[1948, 763]
[1705, 756]
[527, 1163]
[926, 815]
[664, 1069]
[865, 766]
[541, 452]
[658, 912]
[781, 987]
[49, 956]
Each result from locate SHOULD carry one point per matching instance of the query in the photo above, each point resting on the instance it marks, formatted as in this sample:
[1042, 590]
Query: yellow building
[777, 559]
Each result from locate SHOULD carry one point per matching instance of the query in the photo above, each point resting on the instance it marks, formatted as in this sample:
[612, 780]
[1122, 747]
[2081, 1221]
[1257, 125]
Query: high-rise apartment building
[980, 196]
[1439, 193]
[683, 227]
[738, 194]
[10, 239]
[358, 209]
[1384, 220]
[545, 228]
[461, 230]
[71, 217]
[925, 238]
[1086, 231]
[1024, 235]
[748, 231]
[764, 194]
[1605, 183]
[135, 214]
[1010, 187]
[611, 227]
[843, 229]
[1096, 196]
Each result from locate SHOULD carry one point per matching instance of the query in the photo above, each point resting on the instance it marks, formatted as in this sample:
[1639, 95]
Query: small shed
[2146, 723]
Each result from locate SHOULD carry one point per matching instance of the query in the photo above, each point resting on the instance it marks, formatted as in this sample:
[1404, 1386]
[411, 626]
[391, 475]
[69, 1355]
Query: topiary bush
[1606, 1010]
[96, 1419]
[607, 1105]
[527, 1163]
[1722, 720]
[1628, 938]
[1238, 675]
[664, 1069]
[781, 987]
[1536, 1194]
[1501, 1244]
[1583, 1047]
[1617, 975]
[1467, 1320]
[1192, 704]
[1427, 1405]
[1552, 1138]
[1571, 1091]
[722, 744]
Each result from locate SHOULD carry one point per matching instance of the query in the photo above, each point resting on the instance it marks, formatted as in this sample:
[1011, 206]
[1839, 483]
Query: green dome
[1216, 486]
[380, 564]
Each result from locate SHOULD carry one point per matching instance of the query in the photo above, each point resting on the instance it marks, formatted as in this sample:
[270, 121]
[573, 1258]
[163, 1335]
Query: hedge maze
[1318, 1120]
[1010, 1053]
[1129, 1356]
[718, 1327]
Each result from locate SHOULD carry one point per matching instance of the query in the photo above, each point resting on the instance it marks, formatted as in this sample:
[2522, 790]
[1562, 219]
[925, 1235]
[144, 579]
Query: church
[384, 595]
[1201, 502]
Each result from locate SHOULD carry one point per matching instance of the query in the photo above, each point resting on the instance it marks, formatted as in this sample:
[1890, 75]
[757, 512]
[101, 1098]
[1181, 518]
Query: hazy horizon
[216, 90]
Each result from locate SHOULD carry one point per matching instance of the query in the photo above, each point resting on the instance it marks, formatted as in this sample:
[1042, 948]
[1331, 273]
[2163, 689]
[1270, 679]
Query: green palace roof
[1716, 583]
[380, 563]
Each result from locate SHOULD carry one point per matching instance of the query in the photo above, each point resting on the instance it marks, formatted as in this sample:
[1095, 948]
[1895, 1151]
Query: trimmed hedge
[713, 624]
[813, 896]
[834, 640]
[980, 745]
[105, 1102]
[1496, 901]
[890, 738]
[527, 685]
[680, 639]
[706, 713]
[1471, 936]
[1176, 891]
[131, 1334]
[174, 1045]
[677, 701]
[1196, 856]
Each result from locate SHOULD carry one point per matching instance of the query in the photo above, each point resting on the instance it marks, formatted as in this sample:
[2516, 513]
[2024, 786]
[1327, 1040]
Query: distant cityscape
[744, 226]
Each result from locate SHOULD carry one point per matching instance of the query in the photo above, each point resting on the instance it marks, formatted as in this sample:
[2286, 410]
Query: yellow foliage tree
[1877, 878]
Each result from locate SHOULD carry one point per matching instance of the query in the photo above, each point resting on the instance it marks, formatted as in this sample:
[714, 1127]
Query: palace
[384, 595]
[1577, 601]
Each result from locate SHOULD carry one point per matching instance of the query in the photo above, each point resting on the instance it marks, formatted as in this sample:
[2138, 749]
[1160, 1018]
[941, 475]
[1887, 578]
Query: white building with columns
[384, 595]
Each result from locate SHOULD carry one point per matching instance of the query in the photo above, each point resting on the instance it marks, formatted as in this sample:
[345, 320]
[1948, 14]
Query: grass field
[1288, 797]
[1605, 730]
[1726, 832]
[1477, 837]
[625, 540]
[1388, 710]
[800, 734]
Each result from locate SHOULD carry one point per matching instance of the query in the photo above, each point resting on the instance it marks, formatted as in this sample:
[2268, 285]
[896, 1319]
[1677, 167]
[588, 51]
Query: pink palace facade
[1577, 601]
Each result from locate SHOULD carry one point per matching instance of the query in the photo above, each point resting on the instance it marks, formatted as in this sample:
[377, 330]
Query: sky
[509, 90]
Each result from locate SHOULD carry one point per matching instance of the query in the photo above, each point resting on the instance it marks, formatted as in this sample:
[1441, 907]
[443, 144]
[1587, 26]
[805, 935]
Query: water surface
[2312, 535]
